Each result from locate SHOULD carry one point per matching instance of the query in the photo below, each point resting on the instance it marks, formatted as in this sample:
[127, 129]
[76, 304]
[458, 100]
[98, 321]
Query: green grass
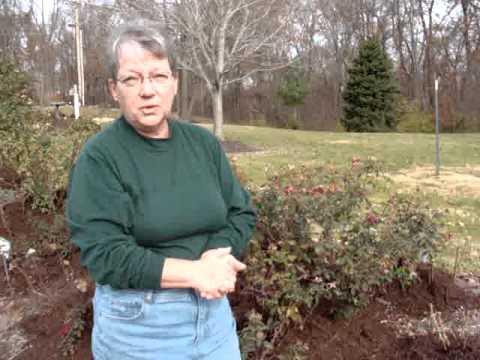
[398, 152]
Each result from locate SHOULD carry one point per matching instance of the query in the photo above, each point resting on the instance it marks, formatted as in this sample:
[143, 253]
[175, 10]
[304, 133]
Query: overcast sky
[439, 11]
[48, 5]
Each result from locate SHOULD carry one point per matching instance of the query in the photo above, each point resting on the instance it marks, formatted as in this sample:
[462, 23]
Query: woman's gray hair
[148, 35]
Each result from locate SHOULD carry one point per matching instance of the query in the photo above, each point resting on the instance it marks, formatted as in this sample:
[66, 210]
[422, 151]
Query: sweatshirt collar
[149, 144]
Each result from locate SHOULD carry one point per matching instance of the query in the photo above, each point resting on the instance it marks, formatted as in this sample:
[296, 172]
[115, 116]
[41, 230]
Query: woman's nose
[146, 87]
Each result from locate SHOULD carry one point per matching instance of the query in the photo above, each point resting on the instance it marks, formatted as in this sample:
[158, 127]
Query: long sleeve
[241, 217]
[99, 214]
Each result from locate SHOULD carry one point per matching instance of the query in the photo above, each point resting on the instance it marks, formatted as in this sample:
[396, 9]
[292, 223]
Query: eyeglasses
[157, 80]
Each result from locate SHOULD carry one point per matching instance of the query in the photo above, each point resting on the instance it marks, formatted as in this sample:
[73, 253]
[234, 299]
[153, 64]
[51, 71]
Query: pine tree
[293, 90]
[369, 95]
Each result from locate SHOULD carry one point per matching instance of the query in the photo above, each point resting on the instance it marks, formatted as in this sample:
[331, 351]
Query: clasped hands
[217, 273]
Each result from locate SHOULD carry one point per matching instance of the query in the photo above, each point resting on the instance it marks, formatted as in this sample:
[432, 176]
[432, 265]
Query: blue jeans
[168, 324]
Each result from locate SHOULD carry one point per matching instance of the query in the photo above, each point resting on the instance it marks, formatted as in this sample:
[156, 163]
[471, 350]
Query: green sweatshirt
[134, 201]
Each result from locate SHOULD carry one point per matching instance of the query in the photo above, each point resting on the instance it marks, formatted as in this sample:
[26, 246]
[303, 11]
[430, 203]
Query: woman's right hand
[216, 273]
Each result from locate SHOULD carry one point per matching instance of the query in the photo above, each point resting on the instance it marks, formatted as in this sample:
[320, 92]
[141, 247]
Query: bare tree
[11, 22]
[425, 13]
[225, 41]
[408, 46]
[227, 48]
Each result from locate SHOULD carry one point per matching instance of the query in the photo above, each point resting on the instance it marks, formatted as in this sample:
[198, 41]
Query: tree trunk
[183, 108]
[468, 75]
[428, 62]
[217, 102]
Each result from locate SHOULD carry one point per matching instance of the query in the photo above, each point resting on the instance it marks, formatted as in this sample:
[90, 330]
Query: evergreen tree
[293, 91]
[370, 91]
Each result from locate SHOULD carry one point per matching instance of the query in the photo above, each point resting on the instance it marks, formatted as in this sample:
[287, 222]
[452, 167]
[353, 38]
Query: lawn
[409, 158]
[398, 151]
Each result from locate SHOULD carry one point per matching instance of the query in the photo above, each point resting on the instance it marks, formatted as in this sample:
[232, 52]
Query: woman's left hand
[236, 266]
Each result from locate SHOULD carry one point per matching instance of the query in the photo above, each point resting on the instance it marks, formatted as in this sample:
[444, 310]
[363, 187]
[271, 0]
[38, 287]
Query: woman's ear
[112, 88]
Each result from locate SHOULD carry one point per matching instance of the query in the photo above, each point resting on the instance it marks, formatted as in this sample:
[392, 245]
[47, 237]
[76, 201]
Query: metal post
[437, 131]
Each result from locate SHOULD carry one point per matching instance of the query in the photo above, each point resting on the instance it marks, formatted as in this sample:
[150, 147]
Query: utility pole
[79, 51]
[82, 68]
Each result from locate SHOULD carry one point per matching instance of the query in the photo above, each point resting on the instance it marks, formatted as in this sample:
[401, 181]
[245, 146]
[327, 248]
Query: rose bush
[320, 239]
[32, 145]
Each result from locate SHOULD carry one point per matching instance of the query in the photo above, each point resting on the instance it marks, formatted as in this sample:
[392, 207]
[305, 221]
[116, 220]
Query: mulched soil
[7, 179]
[233, 147]
[45, 291]
[367, 335]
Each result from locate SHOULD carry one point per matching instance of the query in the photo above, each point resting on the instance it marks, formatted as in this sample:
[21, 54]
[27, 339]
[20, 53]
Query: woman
[159, 218]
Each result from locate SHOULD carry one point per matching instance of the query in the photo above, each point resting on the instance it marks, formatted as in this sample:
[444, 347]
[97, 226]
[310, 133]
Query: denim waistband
[148, 295]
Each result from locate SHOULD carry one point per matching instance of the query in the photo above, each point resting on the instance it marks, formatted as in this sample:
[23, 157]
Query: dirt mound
[399, 324]
[45, 312]
[37, 307]
[8, 179]
[230, 146]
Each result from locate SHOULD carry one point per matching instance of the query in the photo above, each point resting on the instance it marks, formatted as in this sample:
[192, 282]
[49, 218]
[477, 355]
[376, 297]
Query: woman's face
[145, 88]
